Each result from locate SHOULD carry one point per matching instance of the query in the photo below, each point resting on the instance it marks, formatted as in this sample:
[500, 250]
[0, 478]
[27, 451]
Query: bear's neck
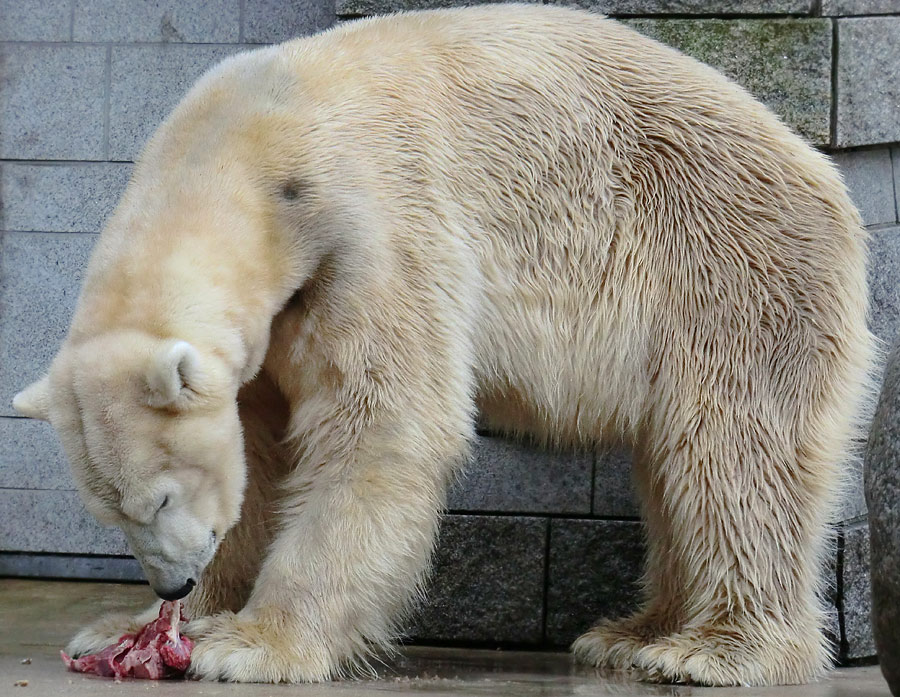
[222, 305]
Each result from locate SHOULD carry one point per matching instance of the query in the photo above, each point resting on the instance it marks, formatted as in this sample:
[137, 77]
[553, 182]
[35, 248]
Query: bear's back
[529, 111]
[601, 184]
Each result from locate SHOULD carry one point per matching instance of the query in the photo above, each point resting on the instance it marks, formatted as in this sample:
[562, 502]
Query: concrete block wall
[537, 545]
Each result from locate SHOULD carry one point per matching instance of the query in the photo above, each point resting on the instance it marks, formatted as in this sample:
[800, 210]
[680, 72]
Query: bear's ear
[173, 369]
[34, 400]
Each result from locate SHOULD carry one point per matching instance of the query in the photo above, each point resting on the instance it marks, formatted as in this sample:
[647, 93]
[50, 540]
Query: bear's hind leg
[745, 508]
[613, 644]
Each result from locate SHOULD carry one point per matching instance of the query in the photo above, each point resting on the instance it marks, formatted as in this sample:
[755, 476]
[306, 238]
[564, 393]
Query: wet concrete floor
[38, 617]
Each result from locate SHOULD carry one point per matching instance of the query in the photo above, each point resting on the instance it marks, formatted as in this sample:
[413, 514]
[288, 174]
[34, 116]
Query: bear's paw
[722, 657]
[613, 644]
[108, 629]
[245, 648]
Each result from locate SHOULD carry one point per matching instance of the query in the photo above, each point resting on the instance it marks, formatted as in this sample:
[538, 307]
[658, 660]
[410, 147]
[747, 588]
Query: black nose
[177, 594]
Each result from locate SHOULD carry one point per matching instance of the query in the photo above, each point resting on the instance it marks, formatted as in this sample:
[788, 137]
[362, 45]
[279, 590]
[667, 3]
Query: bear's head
[152, 432]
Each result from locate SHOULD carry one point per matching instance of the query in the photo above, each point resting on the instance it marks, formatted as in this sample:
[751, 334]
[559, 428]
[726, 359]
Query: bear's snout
[176, 594]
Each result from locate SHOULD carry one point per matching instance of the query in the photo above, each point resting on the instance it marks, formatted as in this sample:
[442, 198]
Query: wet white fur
[529, 210]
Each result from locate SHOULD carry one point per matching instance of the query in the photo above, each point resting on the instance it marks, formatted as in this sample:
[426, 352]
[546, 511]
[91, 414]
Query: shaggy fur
[529, 211]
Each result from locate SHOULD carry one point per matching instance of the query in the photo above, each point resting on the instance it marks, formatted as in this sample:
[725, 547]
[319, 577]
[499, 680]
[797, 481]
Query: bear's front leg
[355, 536]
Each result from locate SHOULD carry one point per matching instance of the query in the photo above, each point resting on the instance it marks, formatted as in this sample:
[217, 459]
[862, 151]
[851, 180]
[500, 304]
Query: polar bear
[336, 251]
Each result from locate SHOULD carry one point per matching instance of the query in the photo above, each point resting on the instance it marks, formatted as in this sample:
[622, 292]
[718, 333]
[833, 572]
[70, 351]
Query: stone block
[832, 629]
[610, 7]
[53, 521]
[614, 493]
[272, 21]
[177, 21]
[147, 82]
[832, 623]
[509, 477]
[40, 275]
[883, 498]
[487, 583]
[785, 63]
[356, 8]
[60, 197]
[67, 566]
[852, 503]
[884, 282]
[857, 598]
[53, 102]
[868, 91]
[869, 179]
[693, 7]
[48, 20]
[843, 8]
[31, 456]
[595, 566]
[895, 159]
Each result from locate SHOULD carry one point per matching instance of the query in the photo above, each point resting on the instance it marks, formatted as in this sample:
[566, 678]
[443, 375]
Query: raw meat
[157, 651]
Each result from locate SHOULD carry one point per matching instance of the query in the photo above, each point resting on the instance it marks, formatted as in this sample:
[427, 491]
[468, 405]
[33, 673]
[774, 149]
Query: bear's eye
[165, 502]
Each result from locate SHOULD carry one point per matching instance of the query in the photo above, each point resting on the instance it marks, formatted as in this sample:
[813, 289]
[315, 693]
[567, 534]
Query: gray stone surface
[59, 197]
[785, 63]
[856, 600]
[868, 91]
[488, 581]
[883, 499]
[147, 82]
[191, 21]
[272, 21]
[40, 275]
[31, 457]
[510, 477]
[832, 629]
[28, 565]
[694, 7]
[594, 570]
[53, 521]
[884, 282]
[869, 178]
[895, 159]
[832, 613]
[614, 493]
[829, 575]
[835, 8]
[46, 20]
[611, 7]
[355, 8]
[52, 105]
[853, 502]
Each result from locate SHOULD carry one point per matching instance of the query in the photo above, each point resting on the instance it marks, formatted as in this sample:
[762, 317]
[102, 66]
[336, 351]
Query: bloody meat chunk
[157, 651]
